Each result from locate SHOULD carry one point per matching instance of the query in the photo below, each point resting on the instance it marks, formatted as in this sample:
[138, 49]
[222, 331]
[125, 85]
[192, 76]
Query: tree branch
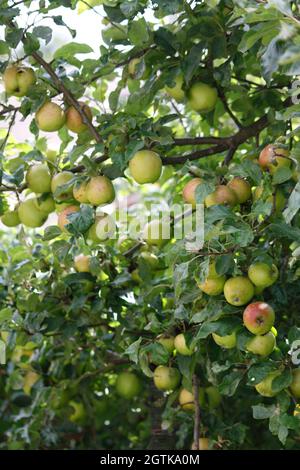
[197, 412]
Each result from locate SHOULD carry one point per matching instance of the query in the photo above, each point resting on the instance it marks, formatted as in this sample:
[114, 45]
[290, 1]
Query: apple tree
[115, 341]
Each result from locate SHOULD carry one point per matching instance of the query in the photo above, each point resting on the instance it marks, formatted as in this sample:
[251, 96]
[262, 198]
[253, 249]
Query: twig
[197, 412]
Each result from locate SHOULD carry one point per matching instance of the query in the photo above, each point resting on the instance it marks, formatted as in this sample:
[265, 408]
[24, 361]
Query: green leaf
[5, 314]
[203, 190]
[263, 411]
[72, 48]
[133, 350]
[230, 383]
[51, 232]
[138, 32]
[32, 43]
[4, 48]
[293, 204]
[283, 381]
[224, 264]
[282, 174]
[43, 32]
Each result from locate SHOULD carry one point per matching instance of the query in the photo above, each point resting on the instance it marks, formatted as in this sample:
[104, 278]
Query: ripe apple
[227, 341]
[38, 178]
[273, 157]
[202, 97]
[264, 387]
[18, 80]
[295, 385]
[60, 179]
[30, 215]
[241, 188]
[203, 444]
[80, 192]
[186, 400]
[262, 345]
[213, 286]
[181, 346]
[11, 218]
[222, 195]
[45, 203]
[82, 263]
[145, 166]
[259, 318]
[262, 274]
[100, 191]
[167, 342]
[50, 117]
[63, 217]
[128, 385]
[189, 191]
[74, 121]
[102, 229]
[176, 91]
[157, 232]
[238, 291]
[166, 378]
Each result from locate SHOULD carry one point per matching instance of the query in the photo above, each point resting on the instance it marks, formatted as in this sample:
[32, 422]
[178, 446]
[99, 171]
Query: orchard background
[203, 87]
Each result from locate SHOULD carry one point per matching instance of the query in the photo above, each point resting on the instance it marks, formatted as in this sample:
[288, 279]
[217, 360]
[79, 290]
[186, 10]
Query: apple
[45, 203]
[295, 385]
[38, 178]
[202, 97]
[213, 397]
[259, 318]
[279, 202]
[18, 80]
[82, 263]
[102, 229]
[63, 217]
[74, 121]
[100, 191]
[128, 385]
[150, 259]
[157, 232]
[262, 345]
[226, 341]
[189, 191]
[186, 400]
[213, 286]
[222, 195]
[30, 215]
[11, 218]
[133, 70]
[61, 179]
[30, 379]
[50, 117]
[264, 387]
[176, 91]
[167, 342]
[145, 166]
[203, 444]
[262, 274]
[166, 378]
[79, 413]
[241, 188]
[80, 192]
[273, 157]
[135, 276]
[238, 290]
[181, 346]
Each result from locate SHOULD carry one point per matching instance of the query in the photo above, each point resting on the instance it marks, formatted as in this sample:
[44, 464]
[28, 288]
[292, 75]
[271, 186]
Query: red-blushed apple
[263, 274]
[241, 188]
[181, 346]
[166, 378]
[259, 318]
[80, 192]
[226, 341]
[189, 191]
[262, 345]
[63, 217]
[273, 157]
[295, 385]
[238, 290]
[222, 195]
[74, 121]
[264, 387]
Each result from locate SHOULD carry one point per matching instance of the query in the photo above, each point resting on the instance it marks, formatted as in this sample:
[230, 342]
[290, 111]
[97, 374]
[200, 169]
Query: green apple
[11, 218]
[166, 378]
[226, 341]
[58, 182]
[176, 91]
[262, 345]
[30, 215]
[45, 203]
[128, 385]
[18, 80]
[186, 400]
[100, 191]
[264, 387]
[241, 188]
[259, 318]
[82, 263]
[145, 166]
[50, 117]
[38, 178]
[222, 195]
[238, 291]
[262, 274]
[202, 97]
[213, 286]
[167, 342]
[181, 346]
[102, 229]
[295, 385]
